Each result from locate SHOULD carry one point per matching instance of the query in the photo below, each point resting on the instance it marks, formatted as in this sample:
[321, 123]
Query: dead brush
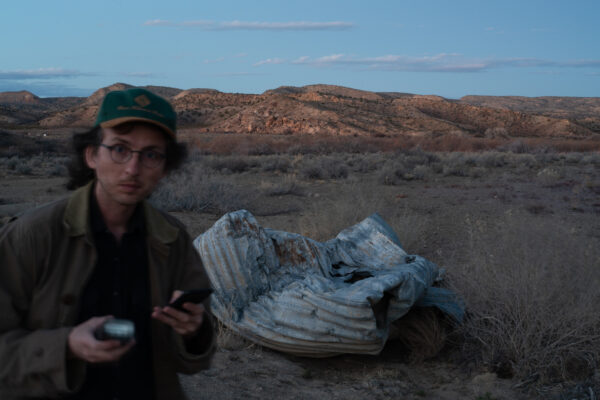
[422, 332]
[531, 290]
[227, 338]
[198, 190]
[288, 186]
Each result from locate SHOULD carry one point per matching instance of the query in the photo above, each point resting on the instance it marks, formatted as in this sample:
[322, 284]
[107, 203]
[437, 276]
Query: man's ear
[90, 156]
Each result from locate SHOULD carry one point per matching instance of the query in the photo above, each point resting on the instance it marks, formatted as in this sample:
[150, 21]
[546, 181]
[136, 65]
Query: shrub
[455, 164]
[276, 164]
[289, 186]
[517, 146]
[550, 175]
[421, 172]
[232, 164]
[395, 172]
[531, 295]
[58, 170]
[365, 163]
[24, 168]
[492, 159]
[326, 167]
[194, 190]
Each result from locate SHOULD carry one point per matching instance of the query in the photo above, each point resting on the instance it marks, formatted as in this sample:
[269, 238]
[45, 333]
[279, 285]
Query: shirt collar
[77, 219]
[134, 225]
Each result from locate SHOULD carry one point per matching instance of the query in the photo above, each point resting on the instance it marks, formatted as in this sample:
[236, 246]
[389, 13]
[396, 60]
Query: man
[69, 266]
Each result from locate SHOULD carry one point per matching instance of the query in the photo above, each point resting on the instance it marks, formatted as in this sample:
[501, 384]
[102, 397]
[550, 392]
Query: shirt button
[116, 293]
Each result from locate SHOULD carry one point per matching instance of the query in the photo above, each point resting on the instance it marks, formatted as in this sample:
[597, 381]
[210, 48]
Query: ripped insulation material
[296, 295]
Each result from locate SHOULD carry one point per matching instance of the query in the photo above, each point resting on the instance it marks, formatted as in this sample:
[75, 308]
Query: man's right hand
[83, 344]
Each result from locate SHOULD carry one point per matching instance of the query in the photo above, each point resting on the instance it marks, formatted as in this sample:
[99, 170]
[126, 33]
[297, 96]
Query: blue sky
[448, 48]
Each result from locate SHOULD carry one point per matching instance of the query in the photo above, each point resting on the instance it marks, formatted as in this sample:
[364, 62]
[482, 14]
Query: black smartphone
[122, 330]
[190, 296]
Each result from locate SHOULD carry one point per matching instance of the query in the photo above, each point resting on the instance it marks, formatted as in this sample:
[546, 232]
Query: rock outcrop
[330, 110]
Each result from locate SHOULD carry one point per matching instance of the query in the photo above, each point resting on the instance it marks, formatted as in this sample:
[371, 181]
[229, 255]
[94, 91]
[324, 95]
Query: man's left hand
[186, 323]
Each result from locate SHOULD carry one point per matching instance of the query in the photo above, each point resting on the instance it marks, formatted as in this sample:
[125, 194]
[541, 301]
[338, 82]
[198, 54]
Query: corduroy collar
[77, 220]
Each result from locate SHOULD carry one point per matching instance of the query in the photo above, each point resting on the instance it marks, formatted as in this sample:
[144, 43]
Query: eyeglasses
[121, 154]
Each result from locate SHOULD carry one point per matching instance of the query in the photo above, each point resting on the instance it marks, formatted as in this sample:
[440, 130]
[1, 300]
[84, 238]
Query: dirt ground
[432, 218]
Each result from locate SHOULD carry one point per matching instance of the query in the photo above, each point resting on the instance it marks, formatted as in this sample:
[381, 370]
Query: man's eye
[151, 155]
[119, 149]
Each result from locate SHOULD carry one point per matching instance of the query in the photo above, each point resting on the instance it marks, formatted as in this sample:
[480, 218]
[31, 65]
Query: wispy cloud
[214, 61]
[242, 25]
[236, 74]
[40, 73]
[270, 61]
[444, 62]
[140, 74]
[495, 30]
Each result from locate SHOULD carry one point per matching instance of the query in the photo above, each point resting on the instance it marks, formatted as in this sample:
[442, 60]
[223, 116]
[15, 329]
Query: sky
[442, 47]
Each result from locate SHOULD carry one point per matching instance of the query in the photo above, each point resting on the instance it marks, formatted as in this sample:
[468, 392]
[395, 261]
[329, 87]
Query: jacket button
[38, 352]
[68, 299]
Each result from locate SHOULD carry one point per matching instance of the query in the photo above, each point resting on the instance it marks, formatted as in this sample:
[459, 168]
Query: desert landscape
[501, 192]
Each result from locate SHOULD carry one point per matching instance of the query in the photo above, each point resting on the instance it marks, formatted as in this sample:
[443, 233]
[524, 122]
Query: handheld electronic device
[122, 330]
[190, 296]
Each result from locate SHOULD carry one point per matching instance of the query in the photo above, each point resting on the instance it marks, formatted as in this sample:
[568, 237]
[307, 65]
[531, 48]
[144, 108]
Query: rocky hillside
[330, 110]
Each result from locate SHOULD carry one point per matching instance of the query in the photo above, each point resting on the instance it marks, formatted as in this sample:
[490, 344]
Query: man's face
[128, 183]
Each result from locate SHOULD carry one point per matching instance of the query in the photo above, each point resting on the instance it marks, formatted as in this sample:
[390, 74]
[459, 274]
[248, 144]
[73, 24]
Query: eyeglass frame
[143, 159]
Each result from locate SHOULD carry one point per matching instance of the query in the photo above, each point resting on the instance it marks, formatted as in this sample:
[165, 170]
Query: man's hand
[184, 323]
[83, 344]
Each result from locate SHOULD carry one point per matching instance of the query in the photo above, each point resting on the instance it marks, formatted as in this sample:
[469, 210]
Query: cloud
[140, 74]
[158, 22]
[213, 61]
[494, 30]
[235, 74]
[270, 61]
[444, 62]
[583, 64]
[301, 60]
[299, 26]
[241, 25]
[40, 73]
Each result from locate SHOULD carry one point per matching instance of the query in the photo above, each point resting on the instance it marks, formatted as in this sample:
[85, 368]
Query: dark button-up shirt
[119, 286]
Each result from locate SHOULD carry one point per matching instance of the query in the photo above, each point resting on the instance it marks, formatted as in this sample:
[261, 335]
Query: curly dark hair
[80, 174]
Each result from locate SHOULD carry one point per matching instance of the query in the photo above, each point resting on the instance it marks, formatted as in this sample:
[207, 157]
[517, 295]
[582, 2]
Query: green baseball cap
[136, 104]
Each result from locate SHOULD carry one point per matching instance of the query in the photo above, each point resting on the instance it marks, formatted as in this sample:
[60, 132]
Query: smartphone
[122, 330]
[190, 296]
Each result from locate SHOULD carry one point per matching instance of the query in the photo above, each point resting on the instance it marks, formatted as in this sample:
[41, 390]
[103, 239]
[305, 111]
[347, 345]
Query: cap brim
[118, 121]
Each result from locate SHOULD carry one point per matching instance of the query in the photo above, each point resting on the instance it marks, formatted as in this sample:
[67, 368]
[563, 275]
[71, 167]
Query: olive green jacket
[46, 259]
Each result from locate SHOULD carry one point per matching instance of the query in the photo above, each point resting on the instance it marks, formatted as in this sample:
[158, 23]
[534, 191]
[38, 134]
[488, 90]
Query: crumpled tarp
[296, 295]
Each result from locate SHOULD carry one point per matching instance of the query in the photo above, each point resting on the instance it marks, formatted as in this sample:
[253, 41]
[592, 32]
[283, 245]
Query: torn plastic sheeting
[309, 298]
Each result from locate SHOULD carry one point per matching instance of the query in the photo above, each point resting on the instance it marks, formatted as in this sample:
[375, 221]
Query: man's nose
[133, 165]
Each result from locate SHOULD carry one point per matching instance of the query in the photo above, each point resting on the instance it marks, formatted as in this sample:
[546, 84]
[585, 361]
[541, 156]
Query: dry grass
[223, 144]
[532, 293]
[422, 331]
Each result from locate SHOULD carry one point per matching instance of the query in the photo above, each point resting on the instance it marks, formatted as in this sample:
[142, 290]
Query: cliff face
[330, 110]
